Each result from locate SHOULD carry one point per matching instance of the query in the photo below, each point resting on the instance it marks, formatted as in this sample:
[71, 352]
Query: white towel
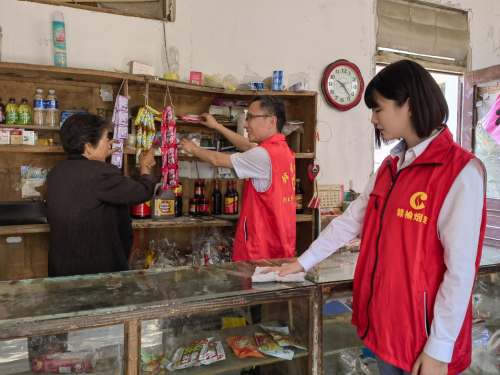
[258, 277]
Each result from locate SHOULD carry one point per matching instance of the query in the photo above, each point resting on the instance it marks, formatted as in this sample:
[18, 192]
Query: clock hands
[344, 87]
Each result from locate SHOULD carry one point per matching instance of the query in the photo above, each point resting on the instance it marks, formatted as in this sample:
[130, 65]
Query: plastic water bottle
[39, 116]
[52, 109]
[59, 36]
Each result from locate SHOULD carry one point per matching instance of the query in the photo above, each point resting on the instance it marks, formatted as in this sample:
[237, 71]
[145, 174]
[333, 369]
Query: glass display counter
[111, 323]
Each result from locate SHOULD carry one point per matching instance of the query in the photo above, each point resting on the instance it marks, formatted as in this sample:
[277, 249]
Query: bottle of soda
[178, 201]
[11, 112]
[24, 113]
[217, 199]
[236, 197]
[2, 112]
[299, 198]
[229, 200]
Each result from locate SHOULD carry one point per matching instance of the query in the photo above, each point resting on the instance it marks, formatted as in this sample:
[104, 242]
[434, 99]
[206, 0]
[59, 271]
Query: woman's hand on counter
[286, 269]
[147, 161]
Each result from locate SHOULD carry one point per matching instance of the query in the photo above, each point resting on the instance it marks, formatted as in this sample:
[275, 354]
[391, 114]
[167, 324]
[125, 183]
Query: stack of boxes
[18, 137]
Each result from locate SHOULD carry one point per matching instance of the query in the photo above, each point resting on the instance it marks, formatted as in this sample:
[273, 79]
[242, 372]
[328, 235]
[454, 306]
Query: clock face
[342, 85]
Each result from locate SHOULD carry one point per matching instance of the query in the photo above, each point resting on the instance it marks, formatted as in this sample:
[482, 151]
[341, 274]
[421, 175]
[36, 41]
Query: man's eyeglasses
[248, 118]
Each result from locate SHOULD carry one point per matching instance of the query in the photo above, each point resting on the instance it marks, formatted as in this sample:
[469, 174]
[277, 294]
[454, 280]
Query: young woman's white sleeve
[340, 231]
[459, 225]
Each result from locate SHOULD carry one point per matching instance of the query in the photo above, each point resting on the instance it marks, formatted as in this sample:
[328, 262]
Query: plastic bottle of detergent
[163, 203]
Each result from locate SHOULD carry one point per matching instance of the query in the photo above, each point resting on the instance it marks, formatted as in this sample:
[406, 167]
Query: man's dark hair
[79, 129]
[405, 80]
[274, 106]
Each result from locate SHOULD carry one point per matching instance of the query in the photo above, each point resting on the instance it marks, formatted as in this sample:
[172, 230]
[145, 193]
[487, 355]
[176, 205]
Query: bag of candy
[215, 353]
[244, 346]
[189, 355]
[267, 345]
[153, 364]
[282, 337]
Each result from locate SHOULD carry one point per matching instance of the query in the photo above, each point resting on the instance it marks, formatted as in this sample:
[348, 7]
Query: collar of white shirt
[411, 154]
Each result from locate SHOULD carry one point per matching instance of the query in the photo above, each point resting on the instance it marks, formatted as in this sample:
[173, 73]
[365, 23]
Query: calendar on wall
[332, 196]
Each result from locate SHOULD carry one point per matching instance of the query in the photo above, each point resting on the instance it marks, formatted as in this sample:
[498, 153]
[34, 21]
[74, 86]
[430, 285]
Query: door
[480, 92]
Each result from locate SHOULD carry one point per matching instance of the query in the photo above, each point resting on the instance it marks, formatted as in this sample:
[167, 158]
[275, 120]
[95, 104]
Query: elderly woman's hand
[148, 158]
[111, 150]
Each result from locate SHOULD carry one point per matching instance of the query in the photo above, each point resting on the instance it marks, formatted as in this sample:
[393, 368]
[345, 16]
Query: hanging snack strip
[145, 131]
[120, 120]
[170, 166]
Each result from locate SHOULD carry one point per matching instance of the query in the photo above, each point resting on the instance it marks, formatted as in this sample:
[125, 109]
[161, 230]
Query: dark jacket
[90, 228]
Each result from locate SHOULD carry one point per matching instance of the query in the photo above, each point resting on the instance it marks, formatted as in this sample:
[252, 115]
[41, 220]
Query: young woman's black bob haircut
[405, 80]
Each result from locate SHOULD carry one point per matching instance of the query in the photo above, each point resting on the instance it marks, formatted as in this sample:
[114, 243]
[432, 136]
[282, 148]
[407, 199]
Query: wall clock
[342, 85]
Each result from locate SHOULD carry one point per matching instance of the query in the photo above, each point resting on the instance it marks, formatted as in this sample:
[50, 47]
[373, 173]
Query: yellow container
[171, 76]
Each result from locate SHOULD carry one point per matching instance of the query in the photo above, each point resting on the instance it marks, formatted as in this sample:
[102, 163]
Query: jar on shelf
[193, 206]
[204, 204]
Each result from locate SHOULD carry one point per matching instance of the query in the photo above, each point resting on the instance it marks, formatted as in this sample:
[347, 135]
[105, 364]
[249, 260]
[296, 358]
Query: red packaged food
[81, 361]
[244, 346]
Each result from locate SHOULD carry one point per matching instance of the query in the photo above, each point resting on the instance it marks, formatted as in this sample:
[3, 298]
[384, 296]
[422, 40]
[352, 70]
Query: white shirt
[458, 229]
[255, 164]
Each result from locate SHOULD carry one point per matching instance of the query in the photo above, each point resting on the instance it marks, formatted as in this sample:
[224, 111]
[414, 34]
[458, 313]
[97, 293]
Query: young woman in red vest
[422, 217]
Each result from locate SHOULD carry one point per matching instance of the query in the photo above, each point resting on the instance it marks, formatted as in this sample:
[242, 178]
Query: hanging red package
[170, 168]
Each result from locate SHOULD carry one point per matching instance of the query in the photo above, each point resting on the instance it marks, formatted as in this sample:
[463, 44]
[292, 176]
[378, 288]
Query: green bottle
[24, 113]
[11, 112]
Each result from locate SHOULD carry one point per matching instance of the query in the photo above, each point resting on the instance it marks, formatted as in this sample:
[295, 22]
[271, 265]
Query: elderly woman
[90, 228]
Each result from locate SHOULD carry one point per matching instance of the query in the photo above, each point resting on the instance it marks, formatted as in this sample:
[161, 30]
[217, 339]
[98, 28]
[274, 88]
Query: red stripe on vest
[266, 229]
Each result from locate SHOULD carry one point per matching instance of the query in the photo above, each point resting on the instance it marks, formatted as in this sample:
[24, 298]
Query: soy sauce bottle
[217, 199]
[236, 196]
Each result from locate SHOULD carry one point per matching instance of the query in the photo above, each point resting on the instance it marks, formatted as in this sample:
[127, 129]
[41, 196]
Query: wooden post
[316, 333]
[132, 347]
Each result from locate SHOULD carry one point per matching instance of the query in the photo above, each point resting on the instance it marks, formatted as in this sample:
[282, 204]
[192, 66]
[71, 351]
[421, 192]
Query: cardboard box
[196, 78]
[30, 137]
[5, 137]
[16, 137]
[141, 68]
[82, 361]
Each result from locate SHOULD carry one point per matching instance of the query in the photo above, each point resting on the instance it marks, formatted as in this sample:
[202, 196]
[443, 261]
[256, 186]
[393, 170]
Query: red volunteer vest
[266, 229]
[401, 262]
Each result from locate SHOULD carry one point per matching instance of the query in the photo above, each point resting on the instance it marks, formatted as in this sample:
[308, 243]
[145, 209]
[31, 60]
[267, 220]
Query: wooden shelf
[32, 127]
[31, 149]
[182, 222]
[86, 76]
[302, 218]
[24, 229]
[304, 155]
[187, 123]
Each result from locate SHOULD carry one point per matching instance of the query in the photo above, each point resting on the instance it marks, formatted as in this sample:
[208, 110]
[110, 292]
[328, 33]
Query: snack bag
[244, 346]
[267, 345]
[215, 353]
[282, 337]
[189, 355]
[153, 364]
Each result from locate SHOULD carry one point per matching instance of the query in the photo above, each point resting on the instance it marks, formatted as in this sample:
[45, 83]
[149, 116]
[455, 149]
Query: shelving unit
[80, 88]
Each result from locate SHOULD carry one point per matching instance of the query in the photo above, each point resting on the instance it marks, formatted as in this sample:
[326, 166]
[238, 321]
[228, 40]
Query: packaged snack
[267, 345]
[215, 353]
[153, 364]
[81, 361]
[282, 337]
[189, 355]
[244, 346]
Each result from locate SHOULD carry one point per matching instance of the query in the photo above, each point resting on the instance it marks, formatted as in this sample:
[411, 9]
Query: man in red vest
[266, 229]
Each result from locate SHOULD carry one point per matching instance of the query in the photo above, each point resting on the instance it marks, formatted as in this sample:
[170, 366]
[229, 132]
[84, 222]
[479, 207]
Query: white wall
[94, 40]
[229, 36]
